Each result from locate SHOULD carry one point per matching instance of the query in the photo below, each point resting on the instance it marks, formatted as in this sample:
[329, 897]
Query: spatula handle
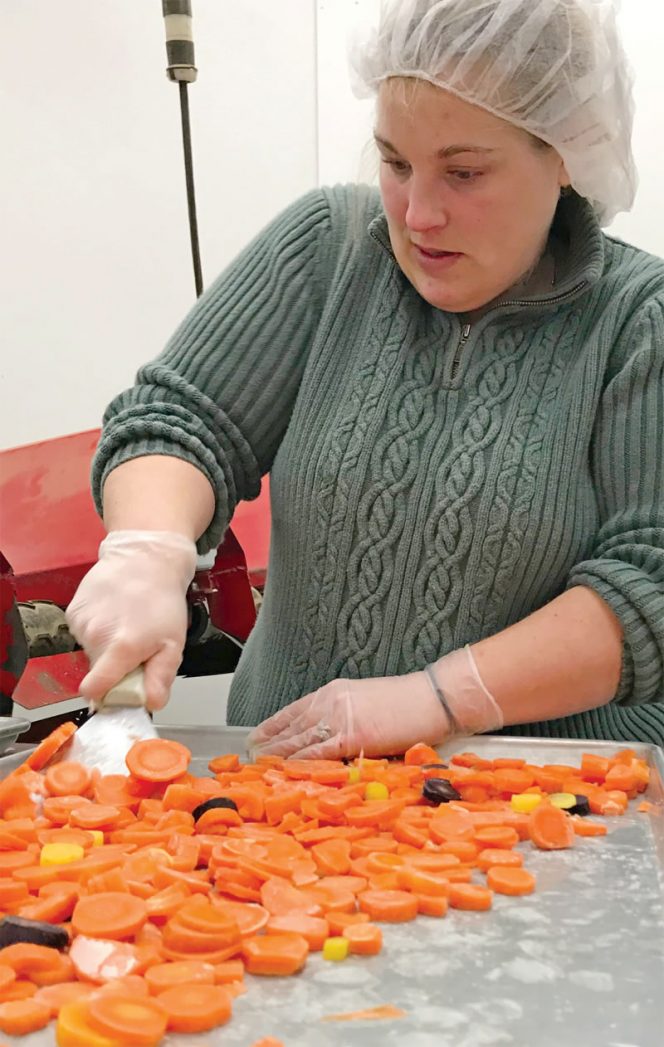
[128, 693]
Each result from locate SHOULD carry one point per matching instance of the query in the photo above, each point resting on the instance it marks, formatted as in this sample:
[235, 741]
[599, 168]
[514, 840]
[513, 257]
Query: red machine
[49, 537]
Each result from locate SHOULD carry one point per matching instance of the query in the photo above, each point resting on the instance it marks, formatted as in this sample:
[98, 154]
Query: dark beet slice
[582, 806]
[17, 929]
[209, 805]
[439, 790]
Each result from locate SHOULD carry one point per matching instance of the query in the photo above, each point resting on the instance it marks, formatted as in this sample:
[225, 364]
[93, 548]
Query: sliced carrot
[451, 823]
[195, 1008]
[332, 857]
[420, 754]
[26, 958]
[431, 905]
[166, 903]
[470, 896]
[10, 861]
[584, 827]
[112, 914]
[364, 939]
[275, 954]
[314, 929]
[82, 837]
[158, 760]
[495, 856]
[52, 908]
[339, 921]
[67, 778]
[511, 881]
[388, 906]
[280, 898]
[73, 1027]
[50, 746]
[497, 836]
[62, 971]
[138, 1020]
[21, 989]
[12, 893]
[200, 915]
[550, 828]
[419, 881]
[512, 780]
[128, 985]
[19, 1017]
[228, 972]
[95, 816]
[113, 790]
[594, 768]
[56, 996]
[229, 762]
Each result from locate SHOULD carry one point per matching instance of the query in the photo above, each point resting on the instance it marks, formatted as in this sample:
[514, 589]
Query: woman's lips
[435, 261]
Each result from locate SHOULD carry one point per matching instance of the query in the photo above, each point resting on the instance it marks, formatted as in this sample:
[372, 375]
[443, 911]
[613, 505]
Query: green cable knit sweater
[430, 484]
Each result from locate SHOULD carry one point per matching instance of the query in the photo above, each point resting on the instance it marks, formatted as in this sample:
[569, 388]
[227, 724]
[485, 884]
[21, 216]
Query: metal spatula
[121, 719]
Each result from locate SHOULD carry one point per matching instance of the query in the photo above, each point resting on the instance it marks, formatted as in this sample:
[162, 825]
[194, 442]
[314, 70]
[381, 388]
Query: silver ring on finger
[323, 732]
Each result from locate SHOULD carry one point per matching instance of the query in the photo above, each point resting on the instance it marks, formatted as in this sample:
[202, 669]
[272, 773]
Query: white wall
[345, 124]
[95, 269]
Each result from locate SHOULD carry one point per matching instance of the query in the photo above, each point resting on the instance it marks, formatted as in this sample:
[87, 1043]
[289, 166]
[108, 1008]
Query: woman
[457, 387]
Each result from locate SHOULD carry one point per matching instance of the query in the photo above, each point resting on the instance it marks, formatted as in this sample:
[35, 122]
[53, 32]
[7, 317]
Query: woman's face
[469, 198]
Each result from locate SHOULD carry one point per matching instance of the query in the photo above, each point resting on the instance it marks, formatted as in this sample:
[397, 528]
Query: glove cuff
[172, 549]
[470, 707]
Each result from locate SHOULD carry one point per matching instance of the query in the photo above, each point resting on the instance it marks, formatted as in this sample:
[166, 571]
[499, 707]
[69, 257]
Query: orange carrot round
[158, 760]
[493, 856]
[470, 896]
[275, 954]
[507, 880]
[195, 1008]
[113, 914]
[364, 939]
[550, 828]
[389, 906]
[138, 1020]
[19, 1017]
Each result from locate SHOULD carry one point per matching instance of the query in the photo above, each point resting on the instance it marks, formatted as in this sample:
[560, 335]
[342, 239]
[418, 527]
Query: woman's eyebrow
[443, 154]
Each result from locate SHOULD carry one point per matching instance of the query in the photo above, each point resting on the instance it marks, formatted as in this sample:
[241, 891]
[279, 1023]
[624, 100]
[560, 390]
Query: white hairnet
[555, 68]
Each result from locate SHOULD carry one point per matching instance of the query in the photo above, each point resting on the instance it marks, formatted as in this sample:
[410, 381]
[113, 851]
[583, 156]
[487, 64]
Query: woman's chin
[448, 295]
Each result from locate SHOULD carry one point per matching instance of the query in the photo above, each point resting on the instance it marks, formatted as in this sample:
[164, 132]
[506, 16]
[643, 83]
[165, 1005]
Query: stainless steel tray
[581, 962]
[10, 728]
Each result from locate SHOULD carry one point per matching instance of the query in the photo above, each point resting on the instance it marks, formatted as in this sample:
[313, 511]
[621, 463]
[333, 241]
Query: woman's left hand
[379, 717]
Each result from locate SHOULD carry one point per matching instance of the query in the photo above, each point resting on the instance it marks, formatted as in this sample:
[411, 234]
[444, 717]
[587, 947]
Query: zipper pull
[465, 335]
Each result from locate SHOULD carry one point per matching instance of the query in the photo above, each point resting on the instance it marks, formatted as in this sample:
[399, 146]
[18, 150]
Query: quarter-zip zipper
[548, 301]
[465, 335]
[467, 328]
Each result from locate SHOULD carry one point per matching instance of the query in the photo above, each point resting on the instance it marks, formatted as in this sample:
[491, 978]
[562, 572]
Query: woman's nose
[426, 209]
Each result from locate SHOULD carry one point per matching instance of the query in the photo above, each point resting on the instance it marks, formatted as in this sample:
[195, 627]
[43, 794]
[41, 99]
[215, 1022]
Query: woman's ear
[564, 180]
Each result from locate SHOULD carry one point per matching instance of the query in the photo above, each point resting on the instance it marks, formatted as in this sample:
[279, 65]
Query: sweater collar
[580, 250]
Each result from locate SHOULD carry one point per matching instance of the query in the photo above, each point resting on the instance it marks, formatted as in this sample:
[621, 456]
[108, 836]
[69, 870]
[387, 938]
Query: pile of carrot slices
[166, 906]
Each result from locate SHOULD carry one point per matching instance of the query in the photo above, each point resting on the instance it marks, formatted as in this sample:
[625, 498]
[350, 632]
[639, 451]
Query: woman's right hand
[131, 610]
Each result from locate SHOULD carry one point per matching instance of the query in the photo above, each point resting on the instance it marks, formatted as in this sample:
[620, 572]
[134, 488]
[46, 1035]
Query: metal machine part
[182, 70]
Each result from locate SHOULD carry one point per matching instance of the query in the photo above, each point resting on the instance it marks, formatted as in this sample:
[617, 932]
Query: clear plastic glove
[384, 715]
[131, 610]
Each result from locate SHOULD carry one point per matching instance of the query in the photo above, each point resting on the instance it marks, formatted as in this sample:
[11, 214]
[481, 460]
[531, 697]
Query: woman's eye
[466, 175]
[399, 166]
